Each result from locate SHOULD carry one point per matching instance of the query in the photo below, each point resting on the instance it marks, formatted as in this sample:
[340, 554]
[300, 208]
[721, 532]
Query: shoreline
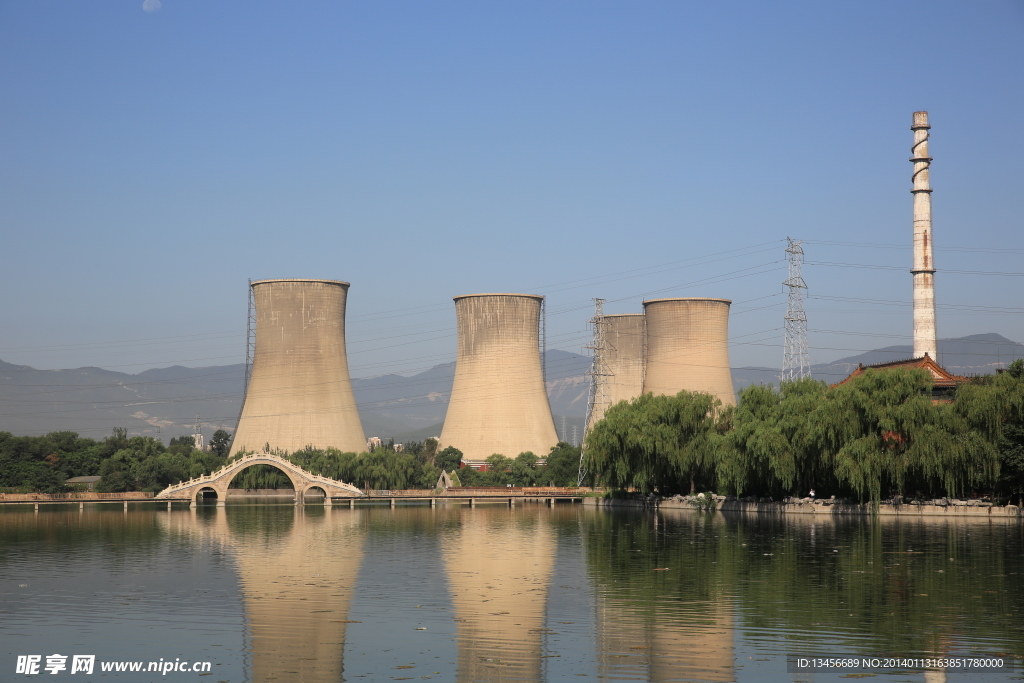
[825, 508]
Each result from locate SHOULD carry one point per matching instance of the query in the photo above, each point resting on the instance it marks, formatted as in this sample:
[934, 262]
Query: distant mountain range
[165, 401]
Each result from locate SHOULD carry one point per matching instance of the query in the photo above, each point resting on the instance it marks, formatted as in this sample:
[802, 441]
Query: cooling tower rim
[623, 315]
[727, 302]
[301, 279]
[524, 296]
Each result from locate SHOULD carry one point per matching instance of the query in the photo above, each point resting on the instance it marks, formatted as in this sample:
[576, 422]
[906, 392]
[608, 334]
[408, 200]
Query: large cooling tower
[688, 347]
[622, 378]
[299, 393]
[499, 403]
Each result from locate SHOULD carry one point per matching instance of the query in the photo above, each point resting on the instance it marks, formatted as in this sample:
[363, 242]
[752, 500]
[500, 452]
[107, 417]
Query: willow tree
[658, 442]
[771, 448]
[994, 404]
[882, 428]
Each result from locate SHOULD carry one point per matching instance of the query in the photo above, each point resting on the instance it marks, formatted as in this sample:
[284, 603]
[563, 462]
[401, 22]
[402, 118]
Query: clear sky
[152, 161]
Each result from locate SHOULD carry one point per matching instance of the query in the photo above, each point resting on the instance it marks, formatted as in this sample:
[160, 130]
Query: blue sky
[154, 161]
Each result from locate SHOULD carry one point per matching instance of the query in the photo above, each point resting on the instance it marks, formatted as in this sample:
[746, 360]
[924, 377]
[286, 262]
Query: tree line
[143, 463]
[419, 466]
[136, 463]
[878, 436]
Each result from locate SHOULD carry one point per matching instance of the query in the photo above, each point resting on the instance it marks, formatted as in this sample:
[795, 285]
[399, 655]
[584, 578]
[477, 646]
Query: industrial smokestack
[499, 403]
[688, 347]
[300, 393]
[622, 366]
[925, 338]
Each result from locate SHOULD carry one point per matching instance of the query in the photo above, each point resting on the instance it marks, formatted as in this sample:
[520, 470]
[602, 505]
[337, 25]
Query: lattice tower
[598, 372]
[796, 362]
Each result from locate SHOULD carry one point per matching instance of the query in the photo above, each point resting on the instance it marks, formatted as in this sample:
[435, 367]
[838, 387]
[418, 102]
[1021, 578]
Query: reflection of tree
[297, 568]
[663, 606]
[909, 586]
[891, 586]
[499, 564]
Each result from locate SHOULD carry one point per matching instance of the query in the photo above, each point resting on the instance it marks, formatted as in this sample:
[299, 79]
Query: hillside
[165, 401]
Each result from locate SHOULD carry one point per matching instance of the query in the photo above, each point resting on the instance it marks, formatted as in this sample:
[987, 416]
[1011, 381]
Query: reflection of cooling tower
[654, 646]
[297, 573]
[623, 355]
[297, 592]
[499, 564]
[688, 347]
[499, 403]
[299, 393]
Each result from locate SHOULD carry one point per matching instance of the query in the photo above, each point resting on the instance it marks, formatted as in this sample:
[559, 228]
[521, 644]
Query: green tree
[668, 443]
[881, 430]
[523, 470]
[220, 443]
[771, 448]
[1002, 394]
[448, 459]
[563, 466]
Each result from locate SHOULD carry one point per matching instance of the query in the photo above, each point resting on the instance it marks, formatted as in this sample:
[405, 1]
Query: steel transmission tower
[796, 363]
[598, 371]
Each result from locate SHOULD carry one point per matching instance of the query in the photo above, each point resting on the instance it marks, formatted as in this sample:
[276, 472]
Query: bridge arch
[201, 492]
[297, 483]
[219, 481]
[316, 489]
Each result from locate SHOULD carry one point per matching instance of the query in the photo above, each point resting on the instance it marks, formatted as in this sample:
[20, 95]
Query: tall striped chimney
[925, 340]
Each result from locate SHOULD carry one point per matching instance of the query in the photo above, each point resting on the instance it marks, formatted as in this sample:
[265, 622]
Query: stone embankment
[73, 496]
[943, 507]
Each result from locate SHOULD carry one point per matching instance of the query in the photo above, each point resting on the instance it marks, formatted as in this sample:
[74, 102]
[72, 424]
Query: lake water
[283, 593]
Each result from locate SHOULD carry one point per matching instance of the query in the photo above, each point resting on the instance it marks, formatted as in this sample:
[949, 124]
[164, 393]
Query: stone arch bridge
[302, 481]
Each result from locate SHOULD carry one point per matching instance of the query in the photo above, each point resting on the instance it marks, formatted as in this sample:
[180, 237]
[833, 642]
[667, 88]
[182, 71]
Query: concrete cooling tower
[622, 339]
[688, 347]
[499, 403]
[299, 393]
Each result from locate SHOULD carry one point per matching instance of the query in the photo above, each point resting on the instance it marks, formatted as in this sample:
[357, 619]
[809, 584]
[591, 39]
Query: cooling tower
[622, 368]
[499, 403]
[299, 393]
[688, 347]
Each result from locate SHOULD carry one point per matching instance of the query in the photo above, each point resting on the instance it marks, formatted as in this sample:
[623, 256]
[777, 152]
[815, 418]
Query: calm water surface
[285, 593]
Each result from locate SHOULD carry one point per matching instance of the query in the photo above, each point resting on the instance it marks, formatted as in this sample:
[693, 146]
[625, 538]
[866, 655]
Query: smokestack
[925, 339]
[300, 393]
[688, 347]
[499, 403]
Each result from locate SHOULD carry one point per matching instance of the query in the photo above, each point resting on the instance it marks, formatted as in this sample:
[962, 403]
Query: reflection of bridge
[302, 481]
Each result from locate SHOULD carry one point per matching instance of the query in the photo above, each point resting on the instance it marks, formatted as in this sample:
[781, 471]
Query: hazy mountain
[976, 354]
[165, 401]
[91, 401]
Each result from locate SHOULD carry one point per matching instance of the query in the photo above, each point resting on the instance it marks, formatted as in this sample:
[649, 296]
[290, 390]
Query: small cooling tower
[622, 367]
[499, 403]
[688, 347]
[299, 393]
